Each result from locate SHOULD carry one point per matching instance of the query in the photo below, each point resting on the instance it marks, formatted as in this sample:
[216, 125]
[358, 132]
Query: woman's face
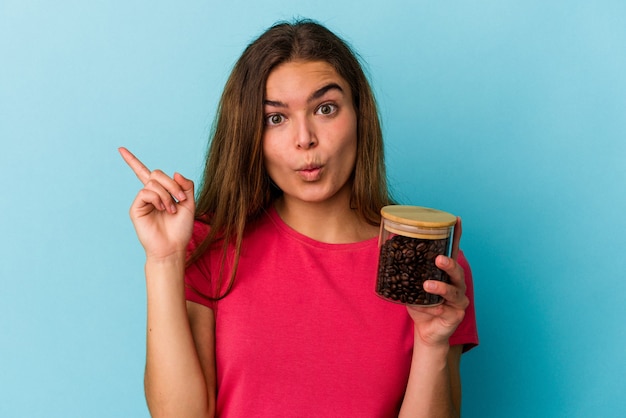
[310, 135]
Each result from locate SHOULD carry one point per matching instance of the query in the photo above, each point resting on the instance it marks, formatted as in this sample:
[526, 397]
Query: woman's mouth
[310, 172]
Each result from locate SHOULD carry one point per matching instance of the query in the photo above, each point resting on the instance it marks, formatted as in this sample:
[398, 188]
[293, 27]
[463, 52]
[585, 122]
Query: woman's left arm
[434, 385]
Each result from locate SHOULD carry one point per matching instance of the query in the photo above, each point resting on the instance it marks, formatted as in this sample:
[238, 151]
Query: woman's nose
[305, 135]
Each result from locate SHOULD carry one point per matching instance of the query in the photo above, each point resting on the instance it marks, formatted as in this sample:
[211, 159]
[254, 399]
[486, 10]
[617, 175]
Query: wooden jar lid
[418, 216]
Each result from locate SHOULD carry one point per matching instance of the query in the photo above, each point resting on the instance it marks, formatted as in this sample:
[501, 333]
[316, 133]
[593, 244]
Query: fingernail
[181, 196]
[173, 208]
[428, 285]
[443, 261]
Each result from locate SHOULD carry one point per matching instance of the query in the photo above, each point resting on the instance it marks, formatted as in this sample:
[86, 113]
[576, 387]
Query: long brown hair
[236, 188]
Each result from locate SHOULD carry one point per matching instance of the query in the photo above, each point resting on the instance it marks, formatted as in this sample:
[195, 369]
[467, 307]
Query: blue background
[511, 114]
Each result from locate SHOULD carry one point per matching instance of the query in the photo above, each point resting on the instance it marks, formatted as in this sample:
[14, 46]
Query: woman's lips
[310, 173]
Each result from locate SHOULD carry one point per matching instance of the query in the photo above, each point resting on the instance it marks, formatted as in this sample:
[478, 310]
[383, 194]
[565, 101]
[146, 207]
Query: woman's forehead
[303, 80]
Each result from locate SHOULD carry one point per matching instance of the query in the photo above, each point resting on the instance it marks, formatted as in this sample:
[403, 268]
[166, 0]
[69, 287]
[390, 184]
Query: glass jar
[411, 237]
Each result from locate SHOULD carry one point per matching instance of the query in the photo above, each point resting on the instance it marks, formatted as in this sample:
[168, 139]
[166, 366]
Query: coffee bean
[404, 264]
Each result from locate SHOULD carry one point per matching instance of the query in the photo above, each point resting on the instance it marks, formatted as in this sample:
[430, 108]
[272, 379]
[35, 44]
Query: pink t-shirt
[303, 333]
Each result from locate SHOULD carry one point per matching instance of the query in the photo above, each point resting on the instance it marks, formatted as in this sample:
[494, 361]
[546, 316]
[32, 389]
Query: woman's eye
[327, 109]
[274, 119]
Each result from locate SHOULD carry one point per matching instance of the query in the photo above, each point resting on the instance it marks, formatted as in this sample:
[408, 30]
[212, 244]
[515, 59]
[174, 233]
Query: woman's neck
[332, 221]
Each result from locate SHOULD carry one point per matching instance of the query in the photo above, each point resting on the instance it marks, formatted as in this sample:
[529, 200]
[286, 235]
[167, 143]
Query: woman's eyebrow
[314, 96]
[322, 91]
[274, 103]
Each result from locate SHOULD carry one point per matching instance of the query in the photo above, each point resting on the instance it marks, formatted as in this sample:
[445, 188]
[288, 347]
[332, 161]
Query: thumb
[186, 184]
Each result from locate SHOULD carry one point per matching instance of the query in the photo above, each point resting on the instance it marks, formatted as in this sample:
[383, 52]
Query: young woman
[261, 294]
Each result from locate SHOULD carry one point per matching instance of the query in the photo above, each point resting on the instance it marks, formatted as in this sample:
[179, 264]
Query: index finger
[141, 171]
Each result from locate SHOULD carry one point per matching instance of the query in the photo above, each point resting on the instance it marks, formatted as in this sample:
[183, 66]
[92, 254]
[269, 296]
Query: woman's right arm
[177, 382]
[180, 364]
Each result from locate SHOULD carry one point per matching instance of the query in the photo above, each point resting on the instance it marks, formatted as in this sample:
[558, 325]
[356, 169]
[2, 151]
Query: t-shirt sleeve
[198, 284]
[467, 331]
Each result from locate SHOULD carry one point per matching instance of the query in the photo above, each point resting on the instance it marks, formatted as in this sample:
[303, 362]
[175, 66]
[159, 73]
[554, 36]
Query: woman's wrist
[174, 258]
[170, 269]
[439, 349]
[430, 349]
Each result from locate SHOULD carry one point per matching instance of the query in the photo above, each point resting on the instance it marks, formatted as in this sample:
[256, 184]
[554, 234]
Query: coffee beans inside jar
[411, 238]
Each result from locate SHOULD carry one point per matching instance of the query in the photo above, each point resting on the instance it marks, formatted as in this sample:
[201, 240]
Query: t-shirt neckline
[278, 222]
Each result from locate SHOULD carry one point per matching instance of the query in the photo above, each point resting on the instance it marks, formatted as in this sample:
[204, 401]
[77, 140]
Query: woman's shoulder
[201, 230]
